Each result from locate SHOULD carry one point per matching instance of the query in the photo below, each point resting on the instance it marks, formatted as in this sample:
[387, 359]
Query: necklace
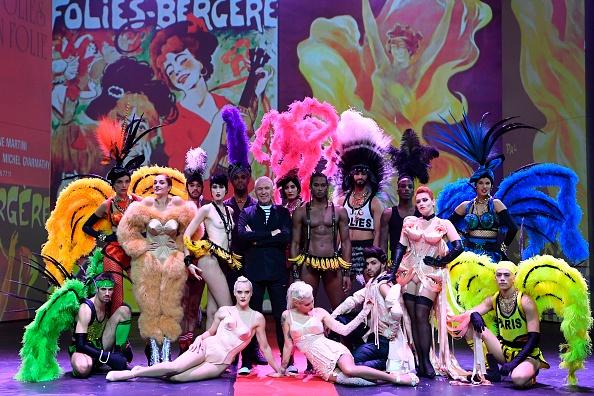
[482, 201]
[428, 218]
[118, 199]
[294, 205]
[358, 203]
[240, 200]
[227, 221]
[508, 304]
[117, 206]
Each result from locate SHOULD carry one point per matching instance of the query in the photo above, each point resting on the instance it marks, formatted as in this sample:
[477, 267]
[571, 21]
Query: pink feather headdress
[298, 139]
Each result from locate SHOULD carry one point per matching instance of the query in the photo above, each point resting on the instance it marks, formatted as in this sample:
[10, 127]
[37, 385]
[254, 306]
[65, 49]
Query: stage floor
[550, 382]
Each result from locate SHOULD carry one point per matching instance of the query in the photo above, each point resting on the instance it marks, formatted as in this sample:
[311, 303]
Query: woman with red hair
[419, 265]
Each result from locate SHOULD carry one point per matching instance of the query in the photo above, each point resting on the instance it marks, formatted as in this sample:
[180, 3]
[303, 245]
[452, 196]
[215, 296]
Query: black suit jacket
[265, 255]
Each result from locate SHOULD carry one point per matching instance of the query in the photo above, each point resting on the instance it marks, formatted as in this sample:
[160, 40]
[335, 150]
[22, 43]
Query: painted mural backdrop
[406, 63]
[175, 63]
[552, 67]
[25, 34]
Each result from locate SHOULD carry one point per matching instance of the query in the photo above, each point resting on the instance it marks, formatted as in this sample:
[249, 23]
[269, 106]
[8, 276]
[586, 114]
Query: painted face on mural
[182, 69]
[399, 51]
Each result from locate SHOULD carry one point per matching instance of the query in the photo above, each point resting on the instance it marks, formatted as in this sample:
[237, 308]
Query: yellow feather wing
[142, 180]
[67, 242]
[554, 284]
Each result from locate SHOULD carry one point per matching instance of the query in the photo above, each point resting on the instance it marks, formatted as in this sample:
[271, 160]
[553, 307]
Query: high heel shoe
[414, 380]
[154, 352]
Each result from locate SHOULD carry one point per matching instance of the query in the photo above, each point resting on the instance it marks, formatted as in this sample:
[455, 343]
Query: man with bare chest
[321, 224]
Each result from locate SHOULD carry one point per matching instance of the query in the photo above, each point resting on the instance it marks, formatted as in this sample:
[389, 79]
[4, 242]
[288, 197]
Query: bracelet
[283, 371]
[296, 274]
[101, 237]
[503, 247]
[346, 272]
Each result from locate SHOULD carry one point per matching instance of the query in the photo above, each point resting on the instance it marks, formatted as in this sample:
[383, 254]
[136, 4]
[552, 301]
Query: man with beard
[393, 218]
[365, 211]
[96, 333]
[196, 160]
[364, 171]
[383, 346]
[323, 223]
[265, 229]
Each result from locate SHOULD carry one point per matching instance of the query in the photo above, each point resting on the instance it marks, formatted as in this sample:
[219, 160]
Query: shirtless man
[323, 223]
[218, 224]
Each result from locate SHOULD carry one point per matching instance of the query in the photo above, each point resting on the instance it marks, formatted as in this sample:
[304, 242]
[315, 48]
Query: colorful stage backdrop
[177, 63]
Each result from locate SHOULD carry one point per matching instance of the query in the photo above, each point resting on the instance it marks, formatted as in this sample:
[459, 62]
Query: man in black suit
[265, 229]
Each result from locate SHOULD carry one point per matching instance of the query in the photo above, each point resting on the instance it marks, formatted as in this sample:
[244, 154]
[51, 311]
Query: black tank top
[395, 227]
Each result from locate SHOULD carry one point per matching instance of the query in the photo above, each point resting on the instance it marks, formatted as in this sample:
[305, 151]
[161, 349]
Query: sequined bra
[486, 221]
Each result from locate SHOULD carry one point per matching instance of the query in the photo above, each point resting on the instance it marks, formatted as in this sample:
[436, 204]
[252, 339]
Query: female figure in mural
[128, 89]
[182, 57]
[396, 77]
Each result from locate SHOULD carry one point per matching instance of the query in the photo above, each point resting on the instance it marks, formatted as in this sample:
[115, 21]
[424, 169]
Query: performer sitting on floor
[212, 352]
[518, 325]
[96, 333]
[304, 325]
[384, 340]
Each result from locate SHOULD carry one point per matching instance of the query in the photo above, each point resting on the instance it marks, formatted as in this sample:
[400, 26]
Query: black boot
[492, 368]
[259, 359]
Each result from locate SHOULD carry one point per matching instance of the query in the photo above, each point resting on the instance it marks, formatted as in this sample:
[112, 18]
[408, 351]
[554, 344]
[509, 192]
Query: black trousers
[367, 353]
[277, 291]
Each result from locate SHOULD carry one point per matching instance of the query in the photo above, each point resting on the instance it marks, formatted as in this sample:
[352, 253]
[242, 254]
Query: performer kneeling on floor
[96, 333]
[516, 316]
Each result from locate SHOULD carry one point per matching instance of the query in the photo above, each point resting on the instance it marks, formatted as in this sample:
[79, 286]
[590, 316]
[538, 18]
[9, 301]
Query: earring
[203, 71]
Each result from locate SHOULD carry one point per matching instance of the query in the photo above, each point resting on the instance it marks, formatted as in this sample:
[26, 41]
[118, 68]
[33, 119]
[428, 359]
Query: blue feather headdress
[237, 142]
[475, 142]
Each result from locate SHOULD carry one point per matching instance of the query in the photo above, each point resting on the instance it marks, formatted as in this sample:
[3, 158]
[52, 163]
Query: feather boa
[137, 217]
